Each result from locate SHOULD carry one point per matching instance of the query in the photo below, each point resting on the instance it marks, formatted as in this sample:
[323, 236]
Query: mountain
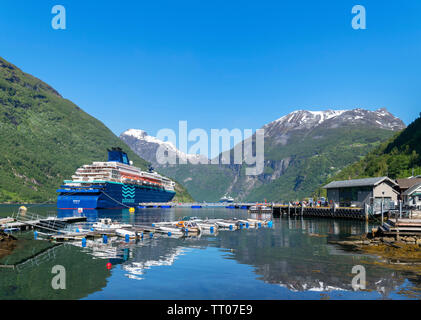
[146, 146]
[44, 138]
[399, 157]
[302, 149]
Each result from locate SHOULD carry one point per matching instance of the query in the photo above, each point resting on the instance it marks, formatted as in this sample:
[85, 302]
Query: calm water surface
[292, 260]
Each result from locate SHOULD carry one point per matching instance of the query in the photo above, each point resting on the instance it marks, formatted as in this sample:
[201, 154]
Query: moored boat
[232, 225]
[260, 208]
[173, 230]
[114, 184]
[124, 232]
[106, 224]
[188, 226]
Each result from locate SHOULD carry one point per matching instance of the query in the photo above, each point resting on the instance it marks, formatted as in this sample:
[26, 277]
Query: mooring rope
[115, 200]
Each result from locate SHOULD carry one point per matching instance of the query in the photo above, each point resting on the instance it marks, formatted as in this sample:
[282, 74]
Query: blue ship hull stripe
[128, 195]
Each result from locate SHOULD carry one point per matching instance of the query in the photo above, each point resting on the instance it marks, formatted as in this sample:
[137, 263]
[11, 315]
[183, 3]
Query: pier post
[289, 208]
[398, 238]
[400, 209]
[382, 211]
[366, 211]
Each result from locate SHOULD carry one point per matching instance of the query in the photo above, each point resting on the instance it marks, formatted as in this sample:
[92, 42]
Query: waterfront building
[359, 192]
[412, 196]
[407, 183]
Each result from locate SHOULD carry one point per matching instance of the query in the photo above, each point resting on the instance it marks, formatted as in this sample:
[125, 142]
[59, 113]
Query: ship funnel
[118, 155]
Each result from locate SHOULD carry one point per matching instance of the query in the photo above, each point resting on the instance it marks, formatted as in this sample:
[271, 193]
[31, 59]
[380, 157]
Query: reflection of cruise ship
[225, 198]
[113, 184]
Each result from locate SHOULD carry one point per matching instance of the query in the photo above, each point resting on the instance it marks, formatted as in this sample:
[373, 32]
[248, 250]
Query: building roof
[412, 189]
[408, 183]
[366, 182]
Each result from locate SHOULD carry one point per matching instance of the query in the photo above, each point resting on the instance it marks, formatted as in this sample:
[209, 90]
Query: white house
[412, 196]
[362, 191]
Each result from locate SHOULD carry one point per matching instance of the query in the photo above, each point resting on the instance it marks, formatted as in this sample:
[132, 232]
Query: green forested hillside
[44, 138]
[399, 157]
[312, 158]
[203, 182]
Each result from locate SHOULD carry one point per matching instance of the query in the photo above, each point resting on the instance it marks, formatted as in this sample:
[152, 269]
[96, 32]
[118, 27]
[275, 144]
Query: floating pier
[53, 223]
[166, 229]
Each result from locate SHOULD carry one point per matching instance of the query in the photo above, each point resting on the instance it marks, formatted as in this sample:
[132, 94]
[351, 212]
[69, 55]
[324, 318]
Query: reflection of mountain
[84, 275]
[297, 257]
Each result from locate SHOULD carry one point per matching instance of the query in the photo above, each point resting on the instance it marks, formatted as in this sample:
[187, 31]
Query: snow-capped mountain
[146, 146]
[303, 120]
[302, 149]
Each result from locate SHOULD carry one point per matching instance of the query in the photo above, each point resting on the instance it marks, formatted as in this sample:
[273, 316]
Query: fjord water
[291, 260]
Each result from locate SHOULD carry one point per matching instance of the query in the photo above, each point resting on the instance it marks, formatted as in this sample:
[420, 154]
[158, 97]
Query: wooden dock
[322, 212]
[278, 209]
[401, 227]
[42, 223]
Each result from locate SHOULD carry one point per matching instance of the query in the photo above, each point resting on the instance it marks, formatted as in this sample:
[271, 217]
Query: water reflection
[294, 255]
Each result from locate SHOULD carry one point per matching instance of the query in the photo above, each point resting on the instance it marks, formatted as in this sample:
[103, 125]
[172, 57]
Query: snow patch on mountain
[146, 146]
[307, 120]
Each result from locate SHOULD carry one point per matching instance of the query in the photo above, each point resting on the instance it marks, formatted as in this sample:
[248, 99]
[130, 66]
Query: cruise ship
[225, 198]
[113, 184]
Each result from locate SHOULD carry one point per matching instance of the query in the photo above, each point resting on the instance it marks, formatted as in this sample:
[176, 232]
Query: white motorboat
[251, 224]
[260, 208]
[206, 225]
[106, 224]
[232, 225]
[256, 222]
[173, 230]
[124, 232]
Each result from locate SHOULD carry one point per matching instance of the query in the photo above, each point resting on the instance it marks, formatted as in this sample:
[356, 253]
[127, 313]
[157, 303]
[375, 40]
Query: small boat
[173, 230]
[260, 208]
[205, 225]
[163, 223]
[256, 221]
[251, 224]
[226, 199]
[232, 225]
[124, 232]
[188, 226]
[106, 224]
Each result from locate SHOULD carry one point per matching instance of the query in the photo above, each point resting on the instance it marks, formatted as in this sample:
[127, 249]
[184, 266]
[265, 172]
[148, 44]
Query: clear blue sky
[220, 63]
